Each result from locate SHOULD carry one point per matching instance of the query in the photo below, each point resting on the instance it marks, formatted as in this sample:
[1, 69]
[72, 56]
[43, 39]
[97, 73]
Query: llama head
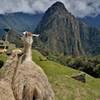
[27, 38]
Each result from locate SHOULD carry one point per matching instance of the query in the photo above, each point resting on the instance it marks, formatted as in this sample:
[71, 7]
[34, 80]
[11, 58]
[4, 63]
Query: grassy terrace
[64, 86]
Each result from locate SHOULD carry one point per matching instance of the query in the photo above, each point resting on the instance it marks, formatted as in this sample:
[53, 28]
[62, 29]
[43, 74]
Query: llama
[6, 76]
[30, 81]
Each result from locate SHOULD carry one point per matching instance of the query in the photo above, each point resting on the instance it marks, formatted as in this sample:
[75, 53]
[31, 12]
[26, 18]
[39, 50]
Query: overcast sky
[79, 8]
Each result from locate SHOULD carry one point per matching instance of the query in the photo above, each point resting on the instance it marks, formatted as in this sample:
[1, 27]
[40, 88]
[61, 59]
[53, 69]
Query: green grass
[64, 86]
[3, 57]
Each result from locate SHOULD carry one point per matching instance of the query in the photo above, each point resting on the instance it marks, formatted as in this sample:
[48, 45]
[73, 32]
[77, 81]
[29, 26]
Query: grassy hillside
[64, 86]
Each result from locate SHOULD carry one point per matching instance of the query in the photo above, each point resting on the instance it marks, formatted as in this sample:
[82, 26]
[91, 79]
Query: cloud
[83, 8]
[79, 8]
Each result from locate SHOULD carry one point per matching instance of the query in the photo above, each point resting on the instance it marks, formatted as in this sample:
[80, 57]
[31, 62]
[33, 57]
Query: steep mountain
[90, 37]
[19, 21]
[90, 34]
[60, 31]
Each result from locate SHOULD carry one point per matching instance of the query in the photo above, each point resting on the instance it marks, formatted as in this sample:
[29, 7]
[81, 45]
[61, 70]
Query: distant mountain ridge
[19, 21]
[93, 21]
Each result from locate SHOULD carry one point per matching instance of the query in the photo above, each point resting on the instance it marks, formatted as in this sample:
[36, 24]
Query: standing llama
[30, 81]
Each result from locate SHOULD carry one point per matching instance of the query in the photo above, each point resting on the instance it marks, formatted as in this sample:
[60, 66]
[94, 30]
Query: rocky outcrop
[80, 77]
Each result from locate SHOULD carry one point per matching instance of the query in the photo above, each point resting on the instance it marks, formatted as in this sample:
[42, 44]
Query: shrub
[97, 70]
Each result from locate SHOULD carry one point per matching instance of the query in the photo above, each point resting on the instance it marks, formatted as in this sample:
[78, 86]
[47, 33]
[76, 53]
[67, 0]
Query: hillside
[65, 87]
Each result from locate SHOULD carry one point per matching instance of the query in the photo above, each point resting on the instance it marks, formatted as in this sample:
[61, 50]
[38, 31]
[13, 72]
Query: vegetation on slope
[64, 86]
[88, 64]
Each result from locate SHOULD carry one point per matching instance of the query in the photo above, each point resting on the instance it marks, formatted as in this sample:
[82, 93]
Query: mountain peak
[57, 7]
[58, 4]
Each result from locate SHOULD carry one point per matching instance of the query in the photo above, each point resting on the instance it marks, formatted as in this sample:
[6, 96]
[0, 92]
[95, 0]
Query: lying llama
[30, 81]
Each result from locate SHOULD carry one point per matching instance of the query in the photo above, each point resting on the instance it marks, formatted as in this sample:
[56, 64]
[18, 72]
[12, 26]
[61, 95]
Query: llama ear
[36, 35]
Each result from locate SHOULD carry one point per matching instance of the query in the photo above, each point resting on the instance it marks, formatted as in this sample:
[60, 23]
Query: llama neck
[10, 67]
[28, 52]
